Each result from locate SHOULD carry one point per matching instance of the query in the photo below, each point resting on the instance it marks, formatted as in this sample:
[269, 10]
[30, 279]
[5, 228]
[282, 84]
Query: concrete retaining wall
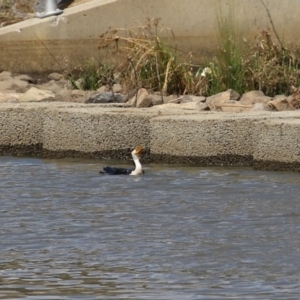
[277, 144]
[206, 139]
[265, 140]
[94, 132]
[21, 130]
[57, 43]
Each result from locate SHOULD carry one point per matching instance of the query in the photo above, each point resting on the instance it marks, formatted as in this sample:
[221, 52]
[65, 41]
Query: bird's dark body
[116, 171]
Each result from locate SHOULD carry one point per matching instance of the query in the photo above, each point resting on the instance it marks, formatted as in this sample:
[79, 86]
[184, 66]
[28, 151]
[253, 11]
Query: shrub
[144, 60]
[148, 62]
[243, 63]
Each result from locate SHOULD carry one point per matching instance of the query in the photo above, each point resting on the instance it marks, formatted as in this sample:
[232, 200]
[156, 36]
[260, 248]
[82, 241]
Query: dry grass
[261, 64]
[272, 68]
[146, 61]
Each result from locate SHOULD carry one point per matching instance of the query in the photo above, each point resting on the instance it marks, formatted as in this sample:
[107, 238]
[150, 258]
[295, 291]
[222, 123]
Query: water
[175, 233]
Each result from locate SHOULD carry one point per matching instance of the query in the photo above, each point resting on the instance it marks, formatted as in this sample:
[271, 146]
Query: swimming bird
[138, 170]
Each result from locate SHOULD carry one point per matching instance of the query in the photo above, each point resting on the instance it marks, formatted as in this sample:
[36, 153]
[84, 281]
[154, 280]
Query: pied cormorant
[138, 170]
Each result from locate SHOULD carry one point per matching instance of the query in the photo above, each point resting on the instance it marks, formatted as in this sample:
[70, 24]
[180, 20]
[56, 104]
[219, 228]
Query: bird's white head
[137, 151]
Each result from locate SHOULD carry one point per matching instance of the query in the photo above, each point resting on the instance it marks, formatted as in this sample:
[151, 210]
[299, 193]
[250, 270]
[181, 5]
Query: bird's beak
[139, 150]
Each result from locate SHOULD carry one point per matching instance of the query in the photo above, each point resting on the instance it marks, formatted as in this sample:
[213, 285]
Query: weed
[91, 76]
[228, 69]
[242, 64]
[6, 4]
[271, 68]
[147, 61]
[252, 64]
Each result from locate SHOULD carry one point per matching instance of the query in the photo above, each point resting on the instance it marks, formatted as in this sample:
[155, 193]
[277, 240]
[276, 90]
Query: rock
[199, 98]
[132, 101]
[231, 95]
[16, 95]
[218, 99]
[79, 96]
[142, 99]
[36, 95]
[281, 104]
[279, 97]
[117, 88]
[202, 106]
[102, 89]
[9, 97]
[260, 99]
[6, 85]
[261, 107]
[50, 86]
[253, 97]
[193, 102]
[263, 99]
[233, 106]
[192, 98]
[253, 94]
[172, 99]
[65, 84]
[10, 83]
[25, 77]
[211, 100]
[187, 105]
[170, 105]
[76, 96]
[193, 105]
[186, 99]
[105, 97]
[5, 76]
[157, 99]
[64, 95]
[55, 76]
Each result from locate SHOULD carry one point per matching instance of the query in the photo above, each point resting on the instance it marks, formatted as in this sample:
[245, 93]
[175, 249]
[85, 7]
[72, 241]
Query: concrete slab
[266, 140]
[276, 144]
[20, 130]
[94, 132]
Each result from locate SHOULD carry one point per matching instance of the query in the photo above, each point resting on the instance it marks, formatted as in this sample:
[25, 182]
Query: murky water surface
[175, 233]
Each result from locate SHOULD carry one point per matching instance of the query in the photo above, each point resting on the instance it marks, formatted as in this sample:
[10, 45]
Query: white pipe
[50, 10]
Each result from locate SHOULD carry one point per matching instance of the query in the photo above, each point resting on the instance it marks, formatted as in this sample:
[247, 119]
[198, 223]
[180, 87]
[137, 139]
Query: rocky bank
[55, 87]
[48, 118]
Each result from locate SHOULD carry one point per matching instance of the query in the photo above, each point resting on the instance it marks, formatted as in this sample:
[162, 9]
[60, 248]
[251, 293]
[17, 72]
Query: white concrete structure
[59, 42]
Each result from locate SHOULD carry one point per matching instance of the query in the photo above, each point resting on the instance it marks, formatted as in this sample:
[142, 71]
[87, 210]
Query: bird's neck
[138, 167]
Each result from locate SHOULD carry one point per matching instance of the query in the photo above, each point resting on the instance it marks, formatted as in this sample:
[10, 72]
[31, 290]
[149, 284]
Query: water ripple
[175, 233]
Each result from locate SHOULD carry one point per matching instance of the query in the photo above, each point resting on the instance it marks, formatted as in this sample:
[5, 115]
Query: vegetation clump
[92, 76]
[146, 60]
[261, 64]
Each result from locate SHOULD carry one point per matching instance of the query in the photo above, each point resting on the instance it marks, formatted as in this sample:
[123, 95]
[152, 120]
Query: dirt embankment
[13, 11]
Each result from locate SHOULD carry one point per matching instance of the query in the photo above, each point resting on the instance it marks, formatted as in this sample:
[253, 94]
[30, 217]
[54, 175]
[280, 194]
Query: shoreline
[262, 140]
